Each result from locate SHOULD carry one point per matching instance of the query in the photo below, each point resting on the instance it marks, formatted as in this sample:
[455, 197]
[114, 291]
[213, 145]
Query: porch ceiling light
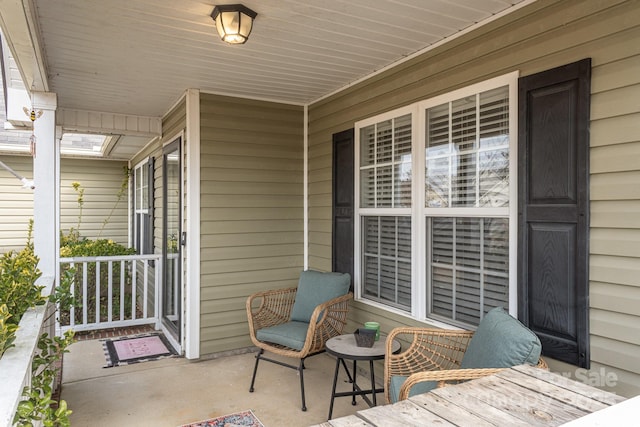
[233, 22]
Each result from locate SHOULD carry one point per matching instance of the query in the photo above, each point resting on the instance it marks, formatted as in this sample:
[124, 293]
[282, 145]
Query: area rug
[136, 349]
[239, 419]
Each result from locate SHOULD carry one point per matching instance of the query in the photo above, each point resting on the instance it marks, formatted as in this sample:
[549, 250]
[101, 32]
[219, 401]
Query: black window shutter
[553, 208]
[342, 244]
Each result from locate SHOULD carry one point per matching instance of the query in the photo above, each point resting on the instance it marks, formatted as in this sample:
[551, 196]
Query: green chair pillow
[315, 288]
[396, 382]
[290, 334]
[501, 341]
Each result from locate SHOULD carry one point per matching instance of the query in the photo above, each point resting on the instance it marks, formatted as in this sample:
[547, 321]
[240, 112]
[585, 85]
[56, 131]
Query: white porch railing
[15, 364]
[112, 291]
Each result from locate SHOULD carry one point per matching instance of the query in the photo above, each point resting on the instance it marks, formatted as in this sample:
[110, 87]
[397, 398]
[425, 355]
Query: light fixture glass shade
[233, 22]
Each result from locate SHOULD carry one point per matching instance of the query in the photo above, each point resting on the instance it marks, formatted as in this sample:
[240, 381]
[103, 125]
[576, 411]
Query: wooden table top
[519, 396]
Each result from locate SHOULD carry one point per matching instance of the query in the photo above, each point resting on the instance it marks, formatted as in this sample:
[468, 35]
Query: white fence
[112, 291]
[15, 364]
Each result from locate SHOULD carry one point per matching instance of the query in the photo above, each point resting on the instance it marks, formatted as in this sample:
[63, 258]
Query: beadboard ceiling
[130, 61]
[139, 56]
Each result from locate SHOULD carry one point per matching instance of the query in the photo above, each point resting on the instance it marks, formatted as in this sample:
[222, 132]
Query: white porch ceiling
[137, 57]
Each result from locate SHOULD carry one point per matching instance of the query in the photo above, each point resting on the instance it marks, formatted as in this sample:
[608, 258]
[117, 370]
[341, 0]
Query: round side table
[345, 347]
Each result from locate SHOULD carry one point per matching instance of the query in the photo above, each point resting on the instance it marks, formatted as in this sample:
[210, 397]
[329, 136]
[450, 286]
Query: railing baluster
[145, 288]
[72, 309]
[134, 288]
[123, 266]
[85, 291]
[98, 305]
[110, 292]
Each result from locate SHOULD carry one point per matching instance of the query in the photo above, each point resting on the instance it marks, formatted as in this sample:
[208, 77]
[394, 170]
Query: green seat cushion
[315, 288]
[397, 381]
[290, 334]
[501, 341]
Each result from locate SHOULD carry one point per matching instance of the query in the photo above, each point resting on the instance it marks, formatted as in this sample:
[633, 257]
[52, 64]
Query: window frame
[140, 240]
[421, 286]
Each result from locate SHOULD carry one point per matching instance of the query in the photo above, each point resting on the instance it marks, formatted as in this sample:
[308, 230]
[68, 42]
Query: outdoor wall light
[233, 22]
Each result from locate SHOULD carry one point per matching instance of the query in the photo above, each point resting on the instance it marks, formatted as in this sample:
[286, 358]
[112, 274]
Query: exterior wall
[540, 36]
[16, 203]
[251, 210]
[101, 180]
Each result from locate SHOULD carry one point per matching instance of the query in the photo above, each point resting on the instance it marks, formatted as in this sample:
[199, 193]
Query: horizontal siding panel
[614, 297]
[213, 342]
[615, 130]
[253, 239]
[612, 269]
[319, 200]
[320, 263]
[235, 175]
[209, 229]
[249, 188]
[320, 225]
[224, 290]
[250, 201]
[616, 158]
[616, 214]
[320, 238]
[622, 242]
[615, 186]
[276, 278]
[250, 252]
[252, 163]
[257, 265]
[240, 140]
[227, 214]
[615, 353]
[621, 73]
[615, 326]
[616, 102]
[232, 308]
[320, 251]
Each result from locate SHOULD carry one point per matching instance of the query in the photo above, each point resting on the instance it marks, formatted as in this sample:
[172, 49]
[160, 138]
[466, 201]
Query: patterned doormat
[136, 349]
[239, 419]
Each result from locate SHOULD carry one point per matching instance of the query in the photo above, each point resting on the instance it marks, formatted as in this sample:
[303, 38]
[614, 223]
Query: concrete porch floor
[175, 391]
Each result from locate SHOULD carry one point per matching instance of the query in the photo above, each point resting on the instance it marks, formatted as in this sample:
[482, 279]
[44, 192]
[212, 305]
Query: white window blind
[385, 164]
[469, 266]
[387, 259]
[467, 152]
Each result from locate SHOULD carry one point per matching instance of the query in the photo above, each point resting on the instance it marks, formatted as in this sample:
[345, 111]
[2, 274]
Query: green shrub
[7, 330]
[18, 274]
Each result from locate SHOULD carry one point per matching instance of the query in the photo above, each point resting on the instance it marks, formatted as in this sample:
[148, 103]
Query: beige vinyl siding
[16, 203]
[101, 180]
[540, 36]
[104, 215]
[251, 210]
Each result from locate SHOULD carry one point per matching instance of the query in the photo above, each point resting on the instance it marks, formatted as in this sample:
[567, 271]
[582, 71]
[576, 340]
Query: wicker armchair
[433, 358]
[297, 322]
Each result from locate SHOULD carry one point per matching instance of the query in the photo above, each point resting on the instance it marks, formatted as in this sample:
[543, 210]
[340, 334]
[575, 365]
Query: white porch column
[46, 178]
